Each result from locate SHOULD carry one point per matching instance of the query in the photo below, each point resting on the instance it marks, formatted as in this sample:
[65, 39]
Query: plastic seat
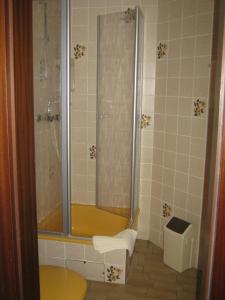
[58, 283]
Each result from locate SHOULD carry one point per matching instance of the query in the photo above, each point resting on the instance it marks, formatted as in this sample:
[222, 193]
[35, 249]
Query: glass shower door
[115, 111]
[48, 95]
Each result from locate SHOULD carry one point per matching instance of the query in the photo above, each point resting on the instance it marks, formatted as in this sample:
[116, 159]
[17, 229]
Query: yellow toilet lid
[58, 283]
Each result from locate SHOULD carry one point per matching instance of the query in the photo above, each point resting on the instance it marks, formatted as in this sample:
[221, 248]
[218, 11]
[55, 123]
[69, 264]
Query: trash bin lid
[178, 225]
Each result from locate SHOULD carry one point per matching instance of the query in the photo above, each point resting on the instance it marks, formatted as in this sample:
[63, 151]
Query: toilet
[57, 283]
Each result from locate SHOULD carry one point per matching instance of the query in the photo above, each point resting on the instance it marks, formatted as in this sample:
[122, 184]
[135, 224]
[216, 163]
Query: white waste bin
[178, 244]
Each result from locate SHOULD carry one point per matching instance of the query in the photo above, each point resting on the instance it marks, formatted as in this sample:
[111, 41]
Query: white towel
[123, 240]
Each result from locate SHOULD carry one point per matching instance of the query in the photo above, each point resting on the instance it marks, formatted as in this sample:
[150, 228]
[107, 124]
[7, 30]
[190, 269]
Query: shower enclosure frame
[65, 121]
[65, 110]
[136, 117]
[66, 117]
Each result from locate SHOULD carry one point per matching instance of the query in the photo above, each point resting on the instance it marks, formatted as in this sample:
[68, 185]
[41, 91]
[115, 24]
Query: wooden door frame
[217, 282]
[218, 268]
[18, 231]
[212, 238]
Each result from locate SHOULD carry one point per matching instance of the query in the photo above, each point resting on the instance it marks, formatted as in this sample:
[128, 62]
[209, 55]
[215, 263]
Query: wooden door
[18, 235]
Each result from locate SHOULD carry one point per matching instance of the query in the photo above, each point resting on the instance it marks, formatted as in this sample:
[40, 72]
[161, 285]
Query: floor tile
[148, 279]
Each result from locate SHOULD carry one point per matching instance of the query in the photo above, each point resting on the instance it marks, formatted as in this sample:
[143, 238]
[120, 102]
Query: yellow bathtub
[88, 220]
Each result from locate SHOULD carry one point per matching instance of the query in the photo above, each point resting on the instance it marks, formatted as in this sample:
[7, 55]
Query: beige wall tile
[159, 122]
[156, 205]
[91, 255]
[79, 103]
[78, 166]
[189, 25]
[187, 67]
[180, 213]
[74, 251]
[94, 271]
[160, 105]
[160, 87]
[186, 87]
[175, 9]
[182, 163]
[172, 86]
[54, 261]
[55, 249]
[185, 106]
[205, 6]
[170, 142]
[155, 222]
[163, 11]
[79, 17]
[157, 172]
[188, 47]
[161, 70]
[171, 124]
[195, 186]
[180, 199]
[204, 24]
[194, 204]
[183, 144]
[174, 29]
[158, 139]
[97, 3]
[197, 167]
[162, 31]
[168, 176]
[201, 87]
[147, 138]
[145, 187]
[114, 2]
[116, 257]
[199, 127]
[169, 159]
[181, 181]
[203, 45]
[79, 35]
[146, 171]
[173, 67]
[156, 190]
[171, 105]
[178, 24]
[79, 3]
[158, 156]
[174, 49]
[198, 147]
[189, 8]
[184, 126]
[202, 66]
[167, 194]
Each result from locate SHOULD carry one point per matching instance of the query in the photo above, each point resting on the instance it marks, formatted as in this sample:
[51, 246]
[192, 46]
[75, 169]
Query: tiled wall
[150, 10]
[83, 258]
[83, 98]
[184, 34]
[46, 54]
[175, 104]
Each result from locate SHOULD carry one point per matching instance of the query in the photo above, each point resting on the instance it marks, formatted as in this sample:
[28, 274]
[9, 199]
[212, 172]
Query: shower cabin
[87, 101]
